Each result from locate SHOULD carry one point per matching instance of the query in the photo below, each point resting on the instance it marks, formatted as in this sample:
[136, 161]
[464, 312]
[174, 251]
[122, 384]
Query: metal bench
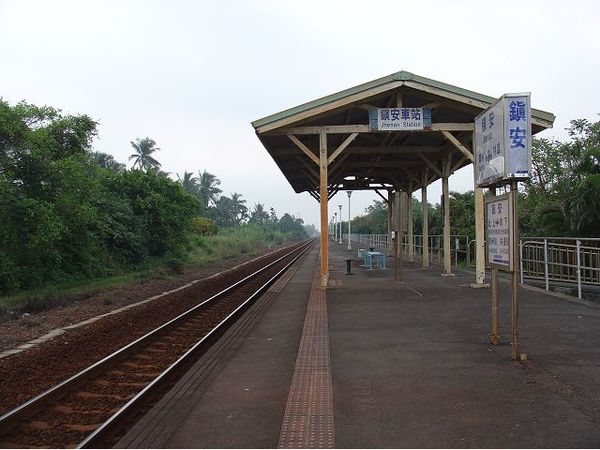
[377, 257]
[362, 254]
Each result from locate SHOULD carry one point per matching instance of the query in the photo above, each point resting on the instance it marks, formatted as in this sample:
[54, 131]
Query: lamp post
[349, 244]
[340, 241]
[335, 227]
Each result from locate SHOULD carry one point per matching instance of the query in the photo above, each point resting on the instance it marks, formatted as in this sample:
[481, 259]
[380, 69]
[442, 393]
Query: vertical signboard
[499, 232]
[503, 141]
[518, 136]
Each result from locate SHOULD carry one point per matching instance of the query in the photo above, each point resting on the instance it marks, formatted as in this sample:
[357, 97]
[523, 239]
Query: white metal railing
[459, 245]
[561, 260]
[551, 259]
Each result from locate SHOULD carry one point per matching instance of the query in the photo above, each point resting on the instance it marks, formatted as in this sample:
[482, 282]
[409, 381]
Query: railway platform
[378, 363]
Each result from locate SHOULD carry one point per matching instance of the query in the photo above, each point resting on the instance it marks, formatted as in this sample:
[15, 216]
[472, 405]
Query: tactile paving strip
[308, 419]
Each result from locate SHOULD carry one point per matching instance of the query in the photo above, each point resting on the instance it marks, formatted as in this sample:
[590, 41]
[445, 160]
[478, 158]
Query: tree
[273, 215]
[207, 187]
[239, 207]
[144, 148]
[561, 197]
[258, 214]
[224, 212]
[107, 161]
[462, 213]
[189, 183]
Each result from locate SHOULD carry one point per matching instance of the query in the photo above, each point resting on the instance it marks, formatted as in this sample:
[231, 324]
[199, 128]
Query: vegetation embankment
[562, 197]
[73, 217]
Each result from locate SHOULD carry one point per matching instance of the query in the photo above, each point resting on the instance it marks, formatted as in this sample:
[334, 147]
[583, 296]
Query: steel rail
[96, 437]
[12, 418]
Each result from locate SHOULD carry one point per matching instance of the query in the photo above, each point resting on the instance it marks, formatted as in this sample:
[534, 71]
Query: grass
[229, 243]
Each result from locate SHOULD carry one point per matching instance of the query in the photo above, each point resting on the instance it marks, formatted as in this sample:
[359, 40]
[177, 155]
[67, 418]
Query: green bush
[203, 226]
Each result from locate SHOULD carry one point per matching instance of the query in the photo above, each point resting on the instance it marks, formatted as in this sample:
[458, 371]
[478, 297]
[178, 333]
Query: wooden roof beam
[449, 136]
[385, 200]
[384, 164]
[430, 164]
[345, 129]
[396, 149]
[304, 148]
[341, 148]
[459, 163]
[409, 174]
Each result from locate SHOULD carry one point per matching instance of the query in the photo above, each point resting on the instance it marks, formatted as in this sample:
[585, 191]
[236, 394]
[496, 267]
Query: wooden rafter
[409, 174]
[430, 164]
[345, 129]
[341, 148]
[312, 169]
[460, 162]
[379, 193]
[304, 148]
[459, 145]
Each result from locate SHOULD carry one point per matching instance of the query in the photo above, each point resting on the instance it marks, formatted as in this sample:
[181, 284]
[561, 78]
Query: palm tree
[207, 187]
[258, 214]
[224, 212]
[189, 183]
[107, 161]
[143, 151]
[239, 207]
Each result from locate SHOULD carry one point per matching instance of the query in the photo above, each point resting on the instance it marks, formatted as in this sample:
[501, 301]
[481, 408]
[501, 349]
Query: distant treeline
[67, 211]
[562, 197]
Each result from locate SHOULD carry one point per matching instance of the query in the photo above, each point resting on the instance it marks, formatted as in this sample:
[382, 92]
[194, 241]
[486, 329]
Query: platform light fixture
[335, 227]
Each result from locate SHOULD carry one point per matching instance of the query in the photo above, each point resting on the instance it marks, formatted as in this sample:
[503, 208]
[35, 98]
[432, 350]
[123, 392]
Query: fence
[459, 245]
[550, 259]
[561, 260]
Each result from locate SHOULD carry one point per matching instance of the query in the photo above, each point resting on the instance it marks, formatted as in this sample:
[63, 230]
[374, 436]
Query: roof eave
[289, 116]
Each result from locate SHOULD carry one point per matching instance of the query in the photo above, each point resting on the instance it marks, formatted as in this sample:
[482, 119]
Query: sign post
[502, 158]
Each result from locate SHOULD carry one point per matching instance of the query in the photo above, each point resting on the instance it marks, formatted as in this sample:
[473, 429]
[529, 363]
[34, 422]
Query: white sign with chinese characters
[503, 140]
[499, 232]
[391, 119]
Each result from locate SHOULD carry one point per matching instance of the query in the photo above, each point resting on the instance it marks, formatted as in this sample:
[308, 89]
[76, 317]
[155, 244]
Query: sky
[192, 75]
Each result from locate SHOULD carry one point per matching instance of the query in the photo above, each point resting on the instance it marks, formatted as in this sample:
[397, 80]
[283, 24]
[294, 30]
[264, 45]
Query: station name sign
[398, 119]
[503, 141]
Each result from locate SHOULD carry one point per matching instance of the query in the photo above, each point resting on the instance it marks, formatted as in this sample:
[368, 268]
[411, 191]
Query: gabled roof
[541, 118]
[402, 159]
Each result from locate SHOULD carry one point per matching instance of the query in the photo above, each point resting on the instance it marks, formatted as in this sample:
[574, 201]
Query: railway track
[93, 406]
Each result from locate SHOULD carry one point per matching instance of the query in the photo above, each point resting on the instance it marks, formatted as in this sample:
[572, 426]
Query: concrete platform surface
[411, 367]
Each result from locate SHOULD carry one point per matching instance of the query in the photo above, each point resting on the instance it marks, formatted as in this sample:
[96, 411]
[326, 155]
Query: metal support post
[456, 245]
[447, 270]
[516, 354]
[495, 333]
[323, 210]
[521, 259]
[579, 269]
[340, 240]
[349, 244]
[546, 278]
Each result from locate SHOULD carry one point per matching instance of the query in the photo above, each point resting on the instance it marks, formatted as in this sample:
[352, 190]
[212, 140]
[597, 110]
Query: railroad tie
[308, 418]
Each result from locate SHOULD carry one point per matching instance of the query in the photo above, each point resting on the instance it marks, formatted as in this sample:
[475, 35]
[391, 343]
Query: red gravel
[16, 331]
[31, 372]
[69, 420]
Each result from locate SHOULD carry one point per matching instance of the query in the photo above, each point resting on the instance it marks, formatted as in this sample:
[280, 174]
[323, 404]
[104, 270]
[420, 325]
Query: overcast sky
[192, 75]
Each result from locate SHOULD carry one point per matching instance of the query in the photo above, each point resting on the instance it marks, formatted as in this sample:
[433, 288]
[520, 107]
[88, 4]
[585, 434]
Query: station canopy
[361, 158]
